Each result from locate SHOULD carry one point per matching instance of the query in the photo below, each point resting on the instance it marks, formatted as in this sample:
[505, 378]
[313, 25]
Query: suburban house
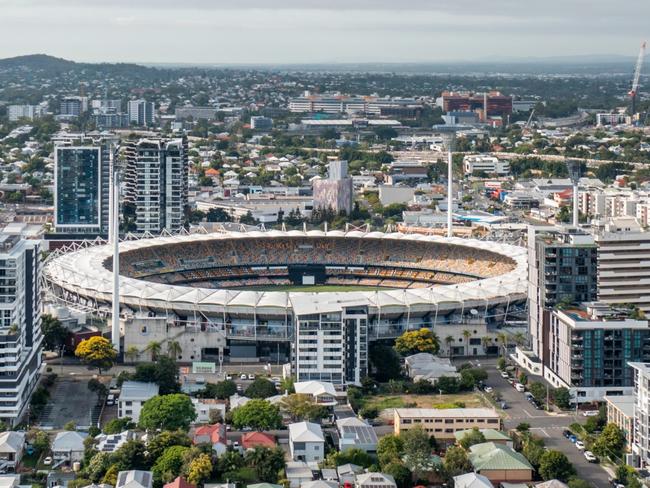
[491, 435]
[375, 480]
[134, 479]
[204, 406]
[354, 432]
[472, 480]
[320, 484]
[11, 449]
[215, 435]
[179, 482]
[444, 423]
[298, 472]
[68, 446]
[322, 392]
[132, 396]
[306, 442]
[500, 463]
[427, 367]
[112, 442]
[347, 473]
[251, 440]
[237, 400]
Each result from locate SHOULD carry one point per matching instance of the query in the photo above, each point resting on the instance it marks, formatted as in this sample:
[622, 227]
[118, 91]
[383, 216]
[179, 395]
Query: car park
[580, 445]
[589, 456]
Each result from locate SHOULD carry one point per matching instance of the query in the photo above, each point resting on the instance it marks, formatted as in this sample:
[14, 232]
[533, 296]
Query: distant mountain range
[594, 64]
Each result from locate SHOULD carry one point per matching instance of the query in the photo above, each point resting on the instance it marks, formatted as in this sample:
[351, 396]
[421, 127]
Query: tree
[166, 439]
[97, 386]
[174, 349]
[302, 407]
[266, 462]
[200, 469]
[352, 455]
[533, 449]
[154, 347]
[163, 372]
[385, 363]
[538, 390]
[261, 388]
[467, 334]
[97, 466]
[97, 352]
[168, 466]
[456, 461]
[40, 441]
[578, 483]
[115, 426]
[131, 455]
[449, 340]
[414, 341]
[555, 465]
[131, 354]
[222, 390]
[257, 414]
[501, 364]
[110, 478]
[70, 426]
[390, 449]
[610, 441]
[401, 474]
[248, 219]
[218, 215]
[54, 334]
[167, 412]
[562, 397]
[474, 436]
[470, 377]
[417, 451]
[447, 385]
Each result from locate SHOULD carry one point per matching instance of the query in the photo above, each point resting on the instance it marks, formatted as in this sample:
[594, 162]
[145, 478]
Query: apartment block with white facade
[481, 163]
[641, 445]
[20, 324]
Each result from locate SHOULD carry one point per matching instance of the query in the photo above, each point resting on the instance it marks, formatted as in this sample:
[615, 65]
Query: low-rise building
[11, 448]
[481, 163]
[68, 446]
[472, 480]
[500, 463]
[215, 435]
[134, 479]
[179, 482]
[444, 423]
[322, 392]
[203, 407]
[356, 433]
[620, 412]
[132, 397]
[306, 442]
[251, 440]
[427, 367]
[375, 480]
[298, 472]
[490, 435]
[112, 442]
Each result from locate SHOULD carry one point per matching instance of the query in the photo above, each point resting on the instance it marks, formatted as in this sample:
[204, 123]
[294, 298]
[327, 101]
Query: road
[548, 426]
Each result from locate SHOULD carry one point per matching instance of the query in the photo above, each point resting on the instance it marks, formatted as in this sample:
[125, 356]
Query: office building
[562, 268]
[495, 103]
[73, 106]
[261, 123]
[337, 104]
[589, 348]
[30, 112]
[155, 183]
[336, 192]
[196, 113]
[485, 164]
[444, 423]
[141, 112]
[107, 105]
[20, 324]
[613, 119]
[623, 265]
[110, 120]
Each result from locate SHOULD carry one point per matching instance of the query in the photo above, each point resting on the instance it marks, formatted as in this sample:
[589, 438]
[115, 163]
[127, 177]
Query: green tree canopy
[389, 449]
[257, 414]
[456, 461]
[168, 466]
[222, 390]
[302, 407]
[555, 465]
[97, 352]
[54, 334]
[414, 341]
[610, 442]
[267, 462]
[261, 388]
[474, 436]
[401, 474]
[167, 412]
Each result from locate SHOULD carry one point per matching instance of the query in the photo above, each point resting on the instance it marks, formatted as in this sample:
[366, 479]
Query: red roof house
[250, 440]
[179, 482]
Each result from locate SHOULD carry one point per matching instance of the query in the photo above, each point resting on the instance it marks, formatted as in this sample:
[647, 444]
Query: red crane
[637, 74]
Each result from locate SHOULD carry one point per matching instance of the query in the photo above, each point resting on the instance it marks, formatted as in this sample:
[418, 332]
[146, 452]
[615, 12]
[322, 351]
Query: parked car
[251, 376]
[47, 461]
[573, 438]
[580, 445]
[488, 389]
[520, 387]
[504, 374]
[243, 377]
[589, 456]
[567, 433]
[110, 400]
[229, 377]
[590, 413]
[504, 406]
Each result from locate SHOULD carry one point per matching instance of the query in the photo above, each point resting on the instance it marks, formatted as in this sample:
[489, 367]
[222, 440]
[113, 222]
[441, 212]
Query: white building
[11, 449]
[134, 479]
[20, 324]
[641, 445]
[306, 442]
[68, 446]
[322, 392]
[204, 406]
[375, 480]
[31, 112]
[133, 396]
[612, 119]
[112, 442]
[141, 112]
[395, 194]
[481, 163]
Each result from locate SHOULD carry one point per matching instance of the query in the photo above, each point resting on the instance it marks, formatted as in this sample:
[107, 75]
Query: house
[298, 472]
[9, 480]
[98, 485]
[427, 367]
[264, 485]
[179, 482]
[11, 449]
[238, 400]
[552, 484]
[444, 423]
[375, 480]
[500, 463]
[347, 473]
[68, 446]
[60, 478]
[132, 396]
[203, 407]
[490, 435]
[112, 442]
[320, 484]
[212, 434]
[134, 479]
[306, 442]
[354, 432]
[322, 392]
[251, 440]
[472, 480]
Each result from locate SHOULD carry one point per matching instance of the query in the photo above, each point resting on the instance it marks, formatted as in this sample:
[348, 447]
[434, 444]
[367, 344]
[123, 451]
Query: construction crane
[635, 80]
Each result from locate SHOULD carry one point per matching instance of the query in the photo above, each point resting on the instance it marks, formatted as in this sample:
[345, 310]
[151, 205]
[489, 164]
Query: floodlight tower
[574, 168]
[450, 183]
[114, 240]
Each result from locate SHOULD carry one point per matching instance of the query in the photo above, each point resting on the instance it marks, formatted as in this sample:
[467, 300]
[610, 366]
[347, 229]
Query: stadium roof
[83, 274]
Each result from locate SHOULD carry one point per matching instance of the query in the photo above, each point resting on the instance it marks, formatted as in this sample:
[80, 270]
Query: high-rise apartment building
[30, 112]
[141, 112]
[156, 183]
[641, 444]
[562, 269]
[73, 106]
[336, 192]
[20, 324]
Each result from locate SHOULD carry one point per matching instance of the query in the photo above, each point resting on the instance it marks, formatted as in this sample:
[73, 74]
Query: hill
[37, 61]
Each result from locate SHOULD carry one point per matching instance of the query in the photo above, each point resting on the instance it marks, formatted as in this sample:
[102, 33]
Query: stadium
[256, 290]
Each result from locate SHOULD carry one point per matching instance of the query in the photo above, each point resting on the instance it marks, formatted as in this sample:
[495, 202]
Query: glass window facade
[78, 184]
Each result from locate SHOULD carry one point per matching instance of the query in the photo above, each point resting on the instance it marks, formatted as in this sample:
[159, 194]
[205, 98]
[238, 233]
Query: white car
[47, 461]
[251, 376]
[520, 387]
[243, 377]
[488, 389]
[590, 413]
[110, 400]
[589, 456]
[504, 374]
[580, 445]
[229, 377]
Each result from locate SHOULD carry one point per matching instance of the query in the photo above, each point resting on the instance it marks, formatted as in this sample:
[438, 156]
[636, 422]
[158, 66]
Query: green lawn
[383, 402]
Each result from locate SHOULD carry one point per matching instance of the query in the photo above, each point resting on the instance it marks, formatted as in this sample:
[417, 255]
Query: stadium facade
[237, 295]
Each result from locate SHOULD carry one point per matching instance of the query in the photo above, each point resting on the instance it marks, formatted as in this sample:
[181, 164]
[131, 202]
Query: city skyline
[221, 32]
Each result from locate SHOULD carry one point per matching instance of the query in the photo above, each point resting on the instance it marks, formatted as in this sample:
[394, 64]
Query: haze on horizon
[316, 31]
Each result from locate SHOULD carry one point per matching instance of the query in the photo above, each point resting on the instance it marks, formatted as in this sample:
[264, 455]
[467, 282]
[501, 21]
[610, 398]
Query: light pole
[114, 239]
[450, 184]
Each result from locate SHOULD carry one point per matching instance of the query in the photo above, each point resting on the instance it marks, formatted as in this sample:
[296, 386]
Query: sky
[320, 31]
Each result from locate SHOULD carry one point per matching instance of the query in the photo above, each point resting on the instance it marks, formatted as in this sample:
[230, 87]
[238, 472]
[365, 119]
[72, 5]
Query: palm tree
[519, 338]
[503, 339]
[448, 340]
[154, 348]
[466, 335]
[131, 354]
[486, 342]
[174, 349]
[436, 342]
